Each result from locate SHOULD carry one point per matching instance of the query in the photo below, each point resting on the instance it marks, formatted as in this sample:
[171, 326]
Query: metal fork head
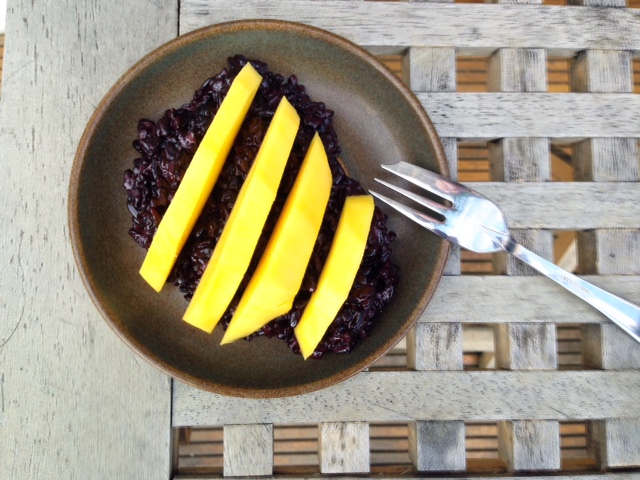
[469, 219]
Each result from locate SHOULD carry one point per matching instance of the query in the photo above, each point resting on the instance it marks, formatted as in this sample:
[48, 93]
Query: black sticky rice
[167, 146]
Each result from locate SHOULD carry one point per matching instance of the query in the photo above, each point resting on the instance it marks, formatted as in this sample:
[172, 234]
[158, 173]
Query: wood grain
[567, 116]
[434, 70]
[435, 346]
[530, 299]
[76, 402]
[476, 29]
[616, 442]
[530, 445]
[437, 446]
[344, 447]
[565, 206]
[524, 444]
[408, 396]
[248, 450]
[604, 476]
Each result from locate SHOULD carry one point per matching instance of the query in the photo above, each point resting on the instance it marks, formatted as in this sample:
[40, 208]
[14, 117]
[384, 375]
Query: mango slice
[233, 252]
[279, 274]
[199, 179]
[338, 273]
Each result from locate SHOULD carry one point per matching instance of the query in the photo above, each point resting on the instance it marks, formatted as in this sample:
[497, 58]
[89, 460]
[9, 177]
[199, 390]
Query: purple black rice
[166, 148]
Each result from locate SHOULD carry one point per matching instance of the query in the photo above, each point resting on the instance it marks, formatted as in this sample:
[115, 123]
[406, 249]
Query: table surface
[75, 402]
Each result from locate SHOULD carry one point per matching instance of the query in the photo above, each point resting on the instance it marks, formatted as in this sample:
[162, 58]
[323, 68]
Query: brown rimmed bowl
[377, 119]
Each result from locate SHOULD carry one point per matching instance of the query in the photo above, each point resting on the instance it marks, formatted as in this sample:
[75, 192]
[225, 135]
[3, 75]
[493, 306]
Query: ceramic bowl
[377, 119]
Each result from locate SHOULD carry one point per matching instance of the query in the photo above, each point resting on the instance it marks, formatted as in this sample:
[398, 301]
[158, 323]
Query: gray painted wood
[531, 299]
[602, 71]
[524, 445]
[616, 442]
[435, 346]
[408, 396]
[434, 70]
[517, 70]
[343, 447]
[526, 347]
[248, 450]
[520, 160]
[606, 160]
[566, 116]
[437, 446]
[603, 476]
[430, 69]
[75, 402]
[530, 445]
[609, 251]
[477, 29]
[607, 347]
[565, 206]
[598, 3]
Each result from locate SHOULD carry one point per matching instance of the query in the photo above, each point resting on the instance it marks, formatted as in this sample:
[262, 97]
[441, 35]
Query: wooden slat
[568, 116]
[248, 450]
[530, 445]
[566, 206]
[434, 70]
[344, 447]
[614, 441]
[524, 444]
[479, 29]
[500, 299]
[1, 56]
[436, 446]
[605, 476]
[526, 347]
[406, 396]
[435, 346]
[76, 402]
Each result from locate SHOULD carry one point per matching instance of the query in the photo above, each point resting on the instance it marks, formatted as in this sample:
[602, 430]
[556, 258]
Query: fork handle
[625, 314]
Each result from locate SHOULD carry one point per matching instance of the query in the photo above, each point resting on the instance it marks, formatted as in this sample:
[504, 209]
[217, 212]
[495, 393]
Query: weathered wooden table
[75, 402]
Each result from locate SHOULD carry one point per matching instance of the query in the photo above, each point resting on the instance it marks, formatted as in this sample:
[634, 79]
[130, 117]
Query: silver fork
[477, 224]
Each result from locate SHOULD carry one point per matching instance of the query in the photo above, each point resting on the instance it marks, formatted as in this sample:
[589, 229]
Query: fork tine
[430, 204]
[419, 217]
[430, 181]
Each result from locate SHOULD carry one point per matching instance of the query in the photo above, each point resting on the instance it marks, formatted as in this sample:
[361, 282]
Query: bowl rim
[439, 259]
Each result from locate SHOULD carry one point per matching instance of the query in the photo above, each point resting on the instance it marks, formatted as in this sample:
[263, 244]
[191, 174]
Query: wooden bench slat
[75, 401]
[479, 29]
[603, 476]
[408, 396]
[248, 449]
[565, 206]
[344, 447]
[502, 299]
[569, 116]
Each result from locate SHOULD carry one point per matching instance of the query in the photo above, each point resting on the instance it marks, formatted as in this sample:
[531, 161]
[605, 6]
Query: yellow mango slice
[279, 274]
[199, 179]
[233, 252]
[338, 273]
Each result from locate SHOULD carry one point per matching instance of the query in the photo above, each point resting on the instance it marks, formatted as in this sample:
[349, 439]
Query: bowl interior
[377, 121]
